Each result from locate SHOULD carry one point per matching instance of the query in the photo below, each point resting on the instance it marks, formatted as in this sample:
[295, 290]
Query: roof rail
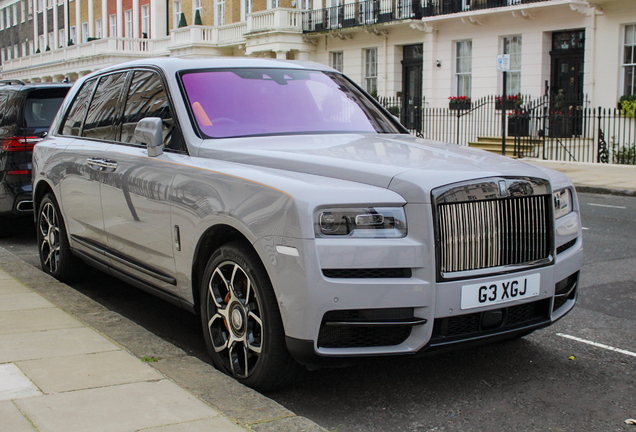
[11, 81]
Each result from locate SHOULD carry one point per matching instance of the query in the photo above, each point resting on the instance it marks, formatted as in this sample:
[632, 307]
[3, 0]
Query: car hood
[408, 165]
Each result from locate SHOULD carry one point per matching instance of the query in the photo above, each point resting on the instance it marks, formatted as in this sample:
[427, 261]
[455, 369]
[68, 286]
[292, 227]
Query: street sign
[503, 62]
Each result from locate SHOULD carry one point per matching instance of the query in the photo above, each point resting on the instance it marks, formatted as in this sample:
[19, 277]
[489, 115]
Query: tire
[241, 321]
[55, 253]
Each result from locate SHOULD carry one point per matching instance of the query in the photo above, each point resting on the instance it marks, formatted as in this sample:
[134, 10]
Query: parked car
[26, 112]
[297, 217]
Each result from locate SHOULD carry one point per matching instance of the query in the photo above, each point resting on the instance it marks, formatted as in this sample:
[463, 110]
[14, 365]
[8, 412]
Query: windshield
[244, 102]
[42, 106]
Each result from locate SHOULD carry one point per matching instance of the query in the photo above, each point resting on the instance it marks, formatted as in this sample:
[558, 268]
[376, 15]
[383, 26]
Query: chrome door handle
[102, 165]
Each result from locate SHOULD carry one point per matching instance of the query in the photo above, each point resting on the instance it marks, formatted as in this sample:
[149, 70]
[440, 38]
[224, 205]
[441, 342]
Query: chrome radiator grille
[491, 233]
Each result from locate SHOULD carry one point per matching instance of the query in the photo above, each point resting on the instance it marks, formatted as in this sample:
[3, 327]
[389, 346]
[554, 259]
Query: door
[566, 93]
[412, 99]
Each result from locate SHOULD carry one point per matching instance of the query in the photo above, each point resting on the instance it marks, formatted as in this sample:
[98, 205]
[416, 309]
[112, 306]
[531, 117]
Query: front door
[411, 115]
[566, 93]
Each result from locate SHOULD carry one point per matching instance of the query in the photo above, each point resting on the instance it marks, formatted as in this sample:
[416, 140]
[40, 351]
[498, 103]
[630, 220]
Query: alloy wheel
[50, 237]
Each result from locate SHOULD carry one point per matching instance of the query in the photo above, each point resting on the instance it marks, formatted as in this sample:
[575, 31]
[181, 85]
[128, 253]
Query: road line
[584, 229]
[605, 205]
[607, 347]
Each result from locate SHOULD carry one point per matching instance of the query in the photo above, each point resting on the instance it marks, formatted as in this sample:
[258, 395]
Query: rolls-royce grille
[491, 233]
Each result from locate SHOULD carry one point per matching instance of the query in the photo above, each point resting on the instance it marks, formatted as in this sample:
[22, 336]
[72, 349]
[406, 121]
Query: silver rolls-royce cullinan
[297, 217]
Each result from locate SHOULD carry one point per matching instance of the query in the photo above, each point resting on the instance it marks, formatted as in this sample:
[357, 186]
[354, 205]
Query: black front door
[412, 99]
[566, 93]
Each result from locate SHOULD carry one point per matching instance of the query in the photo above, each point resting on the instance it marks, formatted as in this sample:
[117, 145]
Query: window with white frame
[629, 61]
[31, 47]
[463, 67]
[512, 46]
[371, 70]
[23, 10]
[40, 5]
[8, 17]
[73, 35]
[176, 8]
[61, 38]
[128, 28]
[305, 4]
[16, 51]
[1, 19]
[30, 8]
[49, 4]
[219, 17]
[197, 5]
[41, 45]
[49, 39]
[24, 49]
[84, 32]
[15, 14]
[336, 60]
[113, 25]
[98, 28]
[246, 8]
[273, 4]
[145, 21]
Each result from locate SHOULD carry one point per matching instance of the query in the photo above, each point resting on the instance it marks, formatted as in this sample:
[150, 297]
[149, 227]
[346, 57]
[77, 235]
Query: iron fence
[557, 128]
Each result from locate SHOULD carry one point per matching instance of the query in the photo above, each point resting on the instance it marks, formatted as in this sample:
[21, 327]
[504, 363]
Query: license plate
[501, 291]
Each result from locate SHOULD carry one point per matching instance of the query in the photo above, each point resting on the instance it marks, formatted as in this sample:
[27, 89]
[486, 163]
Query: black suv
[26, 112]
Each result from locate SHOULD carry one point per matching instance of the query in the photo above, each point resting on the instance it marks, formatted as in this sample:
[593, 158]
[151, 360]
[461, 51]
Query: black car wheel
[241, 321]
[56, 258]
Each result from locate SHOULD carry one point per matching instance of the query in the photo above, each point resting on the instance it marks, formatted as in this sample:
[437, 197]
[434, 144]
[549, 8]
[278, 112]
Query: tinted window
[77, 112]
[147, 98]
[3, 101]
[104, 108]
[41, 107]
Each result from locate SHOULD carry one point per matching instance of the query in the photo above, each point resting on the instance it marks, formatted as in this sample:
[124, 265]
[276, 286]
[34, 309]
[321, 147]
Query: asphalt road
[545, 381]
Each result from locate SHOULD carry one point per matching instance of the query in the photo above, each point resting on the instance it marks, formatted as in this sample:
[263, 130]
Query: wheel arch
[39, 191]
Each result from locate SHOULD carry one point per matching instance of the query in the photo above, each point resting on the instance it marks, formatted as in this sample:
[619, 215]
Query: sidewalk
[594, 177]
[60, 373]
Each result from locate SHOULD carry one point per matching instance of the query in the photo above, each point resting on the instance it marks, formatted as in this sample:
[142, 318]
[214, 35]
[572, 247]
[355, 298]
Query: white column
[281, 55]
[120, 26]
[158, 13]
[135, 18]
[91, 19]
[45, 27]
[105, 19]
[56, 39]
[78, 23]
[36, 39]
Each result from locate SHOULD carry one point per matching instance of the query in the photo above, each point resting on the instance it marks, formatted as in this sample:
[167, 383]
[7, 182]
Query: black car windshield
[41, 107]
[248, 102]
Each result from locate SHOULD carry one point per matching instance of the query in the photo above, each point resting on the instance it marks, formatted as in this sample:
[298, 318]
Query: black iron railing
[380, 11]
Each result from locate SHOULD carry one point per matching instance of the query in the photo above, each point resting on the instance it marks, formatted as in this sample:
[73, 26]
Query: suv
[26, 112]
[297, 217]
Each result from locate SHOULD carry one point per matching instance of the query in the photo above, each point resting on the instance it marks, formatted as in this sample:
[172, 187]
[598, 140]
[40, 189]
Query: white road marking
[584, 229]
[607, 347]
[605, 205]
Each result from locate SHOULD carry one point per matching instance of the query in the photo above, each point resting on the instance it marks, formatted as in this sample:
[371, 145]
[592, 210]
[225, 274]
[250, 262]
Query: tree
[182, 21]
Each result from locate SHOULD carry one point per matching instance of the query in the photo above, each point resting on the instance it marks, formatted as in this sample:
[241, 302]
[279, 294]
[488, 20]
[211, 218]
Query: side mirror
[149, 131]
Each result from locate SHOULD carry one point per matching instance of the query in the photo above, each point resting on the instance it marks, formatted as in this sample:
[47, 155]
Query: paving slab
[127, 407]
[12, 419]
[56, 375]
[14, 384]
[218, 424]
[291, 424]
[52, 343]
[22, 301]
[31, 320]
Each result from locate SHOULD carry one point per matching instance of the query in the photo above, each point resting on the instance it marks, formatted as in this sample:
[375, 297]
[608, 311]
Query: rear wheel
[56, 258]
[241, 321]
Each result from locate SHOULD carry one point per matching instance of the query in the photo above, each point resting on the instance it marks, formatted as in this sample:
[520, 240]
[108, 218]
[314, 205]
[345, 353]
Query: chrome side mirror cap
[149, 131]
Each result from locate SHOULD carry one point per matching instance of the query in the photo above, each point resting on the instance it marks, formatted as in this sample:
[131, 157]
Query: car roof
[174, 64]
[18, 85]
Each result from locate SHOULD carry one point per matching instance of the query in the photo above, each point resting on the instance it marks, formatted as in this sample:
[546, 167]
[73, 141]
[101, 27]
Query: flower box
[459, 106]
[518, 126]
[510, 105]
[560, 126]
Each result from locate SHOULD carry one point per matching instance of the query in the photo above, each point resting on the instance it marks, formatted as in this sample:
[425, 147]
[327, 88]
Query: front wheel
[241, 321]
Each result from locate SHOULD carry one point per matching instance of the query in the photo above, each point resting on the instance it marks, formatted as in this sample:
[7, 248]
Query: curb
[605, 191]
[240, 404]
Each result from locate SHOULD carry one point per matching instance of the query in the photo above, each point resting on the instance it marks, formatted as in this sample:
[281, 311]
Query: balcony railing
[381, 11]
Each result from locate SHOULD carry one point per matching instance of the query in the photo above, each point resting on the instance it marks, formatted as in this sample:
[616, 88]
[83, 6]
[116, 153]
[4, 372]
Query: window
[41, 45]
[1, 19]
[198, 6]
[4, 55]
[147, 98]
[463, 68]
[16, 51]
[113, 25]
[246, 8]
[512, 46]
[336, 60]
[176, 8]
[61, 37]
[40, 5]
[23, 10]
[102, 114]
[73, 35]
[629, 61]
[30, 8]
[85, 32]
[220, 12]
[305, 4]
[8, 10]
[145, 21]
[128, 30]
[49, 4]
[15, 14]
[98, 28]
[50, 41]
[371, 70]
[31, 47]
[273, 4]
[73, 122]
[24, 49]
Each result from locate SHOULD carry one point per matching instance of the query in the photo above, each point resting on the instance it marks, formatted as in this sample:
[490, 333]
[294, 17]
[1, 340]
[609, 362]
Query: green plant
[394, 110]
[182, 21]
[150, 359]
[48, 48]
[628, 108]
[197, 18]
[623, 155]
[37, 51]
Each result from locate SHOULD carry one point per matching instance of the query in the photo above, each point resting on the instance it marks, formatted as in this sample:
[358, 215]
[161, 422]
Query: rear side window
[41, 107]
[77, 112]
[3, 102]
[104, 109]
[147, 98]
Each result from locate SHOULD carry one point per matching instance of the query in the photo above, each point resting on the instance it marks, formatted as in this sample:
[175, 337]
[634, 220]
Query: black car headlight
[372, 222]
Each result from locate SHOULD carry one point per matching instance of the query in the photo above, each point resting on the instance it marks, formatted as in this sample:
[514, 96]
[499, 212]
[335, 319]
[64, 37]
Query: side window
[3, 101]
[104, 108]
[147, 98]
[77, 112]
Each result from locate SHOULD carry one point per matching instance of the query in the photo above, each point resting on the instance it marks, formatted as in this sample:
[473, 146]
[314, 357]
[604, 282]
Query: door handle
[102, 165]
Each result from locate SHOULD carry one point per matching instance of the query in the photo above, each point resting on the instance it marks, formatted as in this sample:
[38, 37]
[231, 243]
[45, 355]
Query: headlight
[373, 222]
[562, 203]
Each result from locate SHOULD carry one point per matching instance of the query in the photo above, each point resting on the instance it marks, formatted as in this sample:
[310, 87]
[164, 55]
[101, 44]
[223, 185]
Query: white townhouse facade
[395, 48]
